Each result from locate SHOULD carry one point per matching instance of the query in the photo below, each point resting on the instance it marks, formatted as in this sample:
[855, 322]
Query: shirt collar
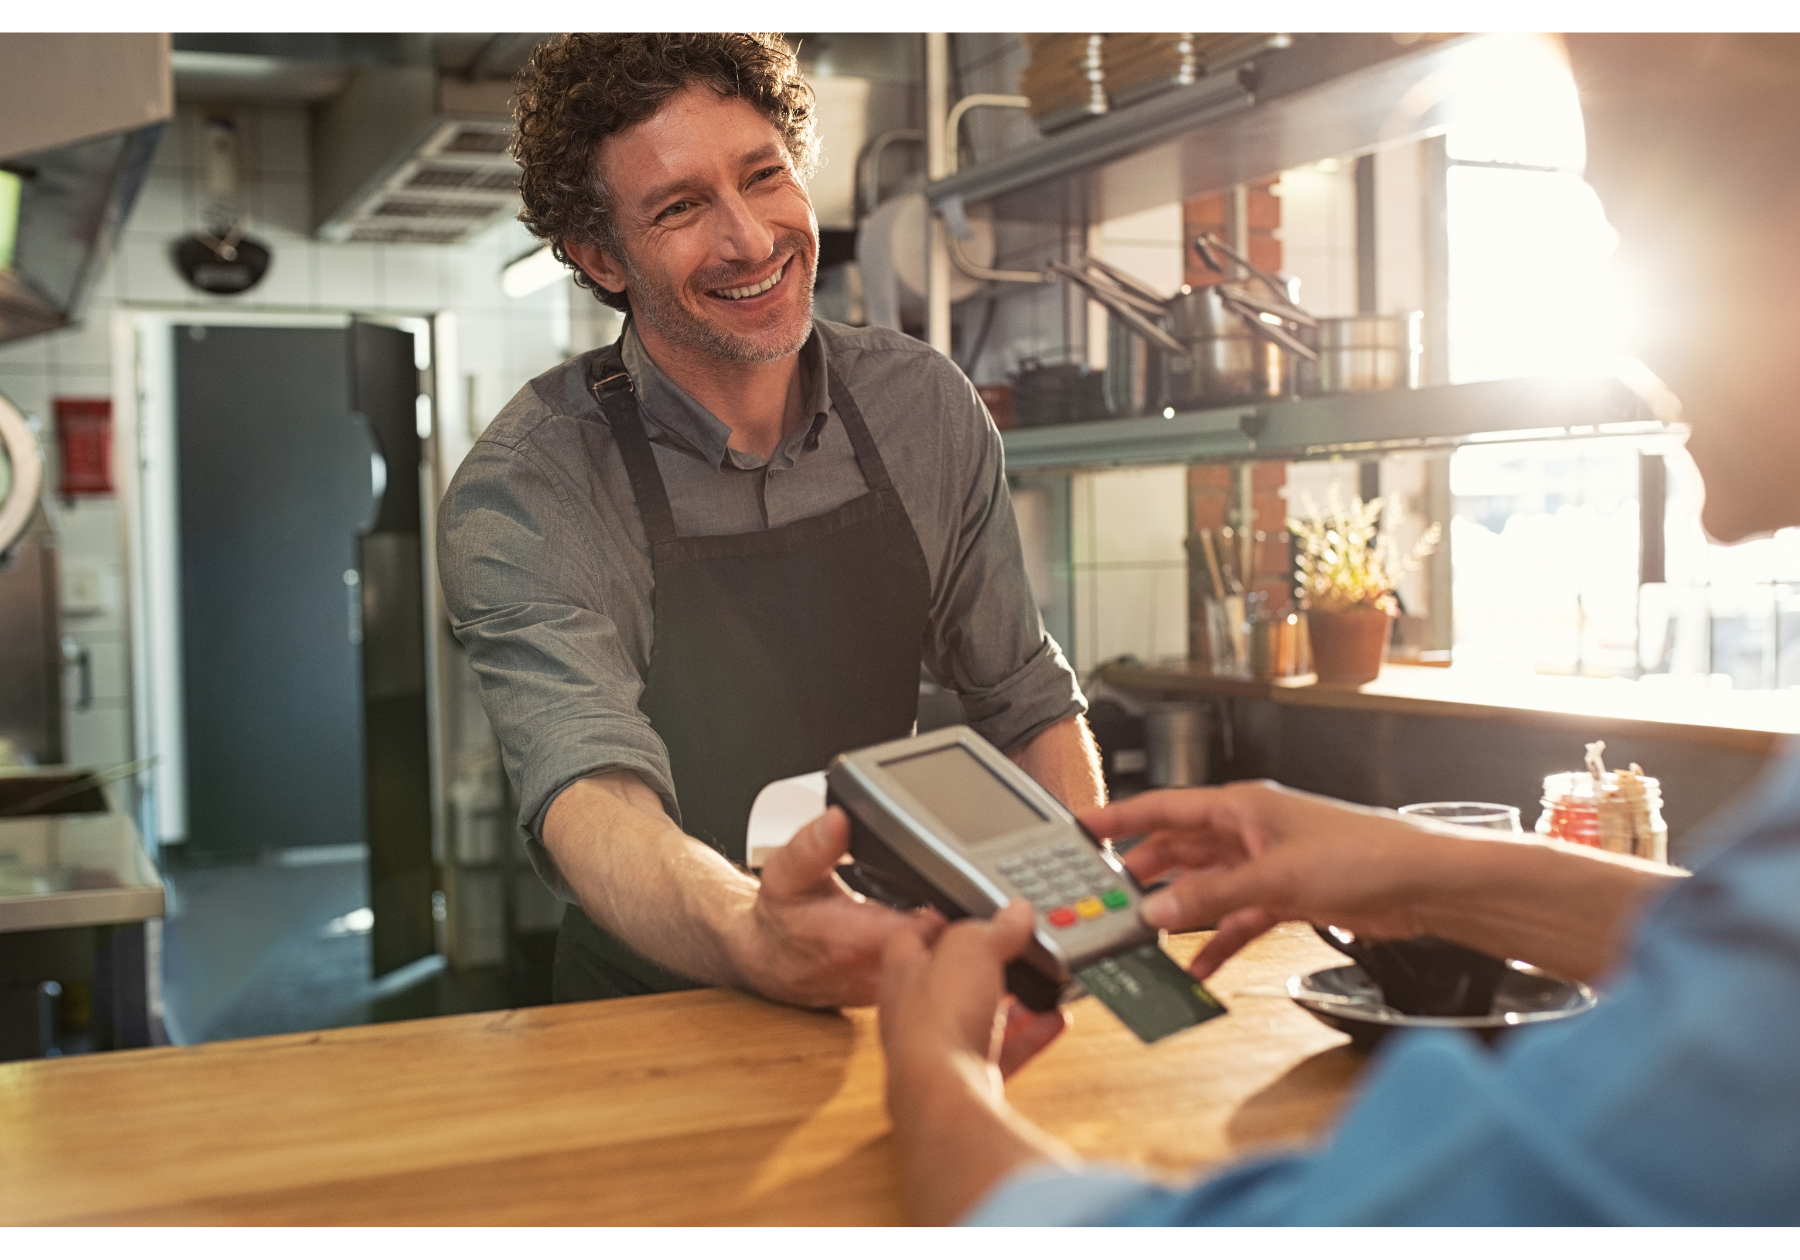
[674, 412]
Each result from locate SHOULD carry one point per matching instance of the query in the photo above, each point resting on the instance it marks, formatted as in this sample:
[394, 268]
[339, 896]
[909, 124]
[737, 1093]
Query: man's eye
[675, 209]
[768, 172]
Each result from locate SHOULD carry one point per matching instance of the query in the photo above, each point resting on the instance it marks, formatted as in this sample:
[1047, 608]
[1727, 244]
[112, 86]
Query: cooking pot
[1242, 345]
[1219, 344]
[1359, 353]
[1228, 357]
[1134, 372]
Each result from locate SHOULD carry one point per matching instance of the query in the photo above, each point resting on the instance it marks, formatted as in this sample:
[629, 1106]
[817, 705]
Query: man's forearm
[1065, 759]
[636, 873]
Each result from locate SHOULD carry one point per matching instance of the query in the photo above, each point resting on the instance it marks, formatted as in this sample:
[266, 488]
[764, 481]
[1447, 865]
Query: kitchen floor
[281, 945]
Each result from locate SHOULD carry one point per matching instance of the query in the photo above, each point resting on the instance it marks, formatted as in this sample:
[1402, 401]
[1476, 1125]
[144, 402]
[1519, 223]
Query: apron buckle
[605, 385]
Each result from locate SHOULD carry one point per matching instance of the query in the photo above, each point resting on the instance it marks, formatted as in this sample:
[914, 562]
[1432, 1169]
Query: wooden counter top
[1747, 721]
[704, 1108]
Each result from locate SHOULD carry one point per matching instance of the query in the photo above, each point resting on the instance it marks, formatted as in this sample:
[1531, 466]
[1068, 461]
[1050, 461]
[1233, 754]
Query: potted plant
[1347, 573]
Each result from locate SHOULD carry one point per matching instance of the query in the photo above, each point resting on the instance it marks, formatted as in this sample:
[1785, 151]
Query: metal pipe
[868, 165]
[975, 271]
[937, 109]
[952, 121]
[977, 100]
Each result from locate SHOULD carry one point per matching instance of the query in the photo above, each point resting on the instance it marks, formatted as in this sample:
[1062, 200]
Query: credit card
[1150, 993]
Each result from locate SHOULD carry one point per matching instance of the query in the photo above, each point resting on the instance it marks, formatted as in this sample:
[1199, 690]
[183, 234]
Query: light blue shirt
[1675, 1102]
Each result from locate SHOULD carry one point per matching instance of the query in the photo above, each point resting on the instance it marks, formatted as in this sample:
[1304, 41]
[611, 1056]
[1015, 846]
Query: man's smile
[751, 290]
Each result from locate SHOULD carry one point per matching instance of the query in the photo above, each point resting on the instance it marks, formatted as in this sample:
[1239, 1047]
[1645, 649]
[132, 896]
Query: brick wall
[1212, 487]
[1208, 213]
[1211, 493]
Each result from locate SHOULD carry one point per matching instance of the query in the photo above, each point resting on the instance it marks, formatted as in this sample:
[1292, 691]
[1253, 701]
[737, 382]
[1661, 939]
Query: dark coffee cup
[1424, 975]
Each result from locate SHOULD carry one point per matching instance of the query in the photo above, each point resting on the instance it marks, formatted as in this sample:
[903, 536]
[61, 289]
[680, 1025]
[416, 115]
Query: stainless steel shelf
[1326, 96]
[1343, 424]
[74, 870]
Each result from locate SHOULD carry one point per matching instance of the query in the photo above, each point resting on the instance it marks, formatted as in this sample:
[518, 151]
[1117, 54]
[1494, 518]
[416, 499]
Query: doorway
[283, 643]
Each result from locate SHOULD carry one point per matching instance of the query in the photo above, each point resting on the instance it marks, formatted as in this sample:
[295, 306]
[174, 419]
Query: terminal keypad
[1068, 883]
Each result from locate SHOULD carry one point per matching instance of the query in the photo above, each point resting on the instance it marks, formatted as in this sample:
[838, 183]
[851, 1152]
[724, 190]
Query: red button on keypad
[1061, 917]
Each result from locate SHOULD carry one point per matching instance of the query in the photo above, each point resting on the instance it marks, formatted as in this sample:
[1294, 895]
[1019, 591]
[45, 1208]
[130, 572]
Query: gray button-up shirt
[546, 567]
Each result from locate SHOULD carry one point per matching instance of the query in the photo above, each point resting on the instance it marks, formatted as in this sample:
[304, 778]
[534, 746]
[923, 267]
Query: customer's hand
[1252, 855]
[944, 1001]
[808, 938]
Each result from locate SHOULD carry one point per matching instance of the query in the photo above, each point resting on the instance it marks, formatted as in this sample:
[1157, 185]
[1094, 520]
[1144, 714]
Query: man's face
[719, 240]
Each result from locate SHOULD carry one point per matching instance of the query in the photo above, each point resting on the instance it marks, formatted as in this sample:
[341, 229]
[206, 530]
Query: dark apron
[773, 652]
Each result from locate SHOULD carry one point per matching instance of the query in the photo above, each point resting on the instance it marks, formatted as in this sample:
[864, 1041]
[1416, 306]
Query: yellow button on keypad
[1089, 908]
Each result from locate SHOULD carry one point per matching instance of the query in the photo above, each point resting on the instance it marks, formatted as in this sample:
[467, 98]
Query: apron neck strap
[874, 471]
[612, 389]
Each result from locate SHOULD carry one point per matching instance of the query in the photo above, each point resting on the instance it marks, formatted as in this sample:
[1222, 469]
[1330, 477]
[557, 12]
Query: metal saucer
[1347, 1000]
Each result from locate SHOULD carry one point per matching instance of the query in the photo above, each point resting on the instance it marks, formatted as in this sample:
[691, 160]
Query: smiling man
[716, 553]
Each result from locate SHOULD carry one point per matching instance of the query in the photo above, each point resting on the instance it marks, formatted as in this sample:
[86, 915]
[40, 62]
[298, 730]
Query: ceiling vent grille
[406, 158]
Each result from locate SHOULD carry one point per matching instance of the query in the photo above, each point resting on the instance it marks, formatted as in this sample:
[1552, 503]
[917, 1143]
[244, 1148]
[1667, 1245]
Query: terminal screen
[962, 793]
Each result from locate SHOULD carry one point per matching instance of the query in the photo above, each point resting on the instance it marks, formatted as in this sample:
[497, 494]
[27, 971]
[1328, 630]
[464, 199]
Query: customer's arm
[797, 935]
[1253, 854]
[942, 1029]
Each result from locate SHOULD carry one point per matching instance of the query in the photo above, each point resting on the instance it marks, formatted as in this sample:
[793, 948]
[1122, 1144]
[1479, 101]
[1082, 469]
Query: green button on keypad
[1116, 899]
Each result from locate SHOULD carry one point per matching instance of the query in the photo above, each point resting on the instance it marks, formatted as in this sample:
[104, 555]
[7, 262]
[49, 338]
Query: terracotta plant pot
[1349, 646]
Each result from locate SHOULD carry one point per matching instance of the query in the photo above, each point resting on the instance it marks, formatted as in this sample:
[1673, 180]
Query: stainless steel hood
[406, 154]
[80, 116]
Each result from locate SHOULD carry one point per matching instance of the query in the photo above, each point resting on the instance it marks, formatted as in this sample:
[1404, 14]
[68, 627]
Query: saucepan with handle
[1243, 336]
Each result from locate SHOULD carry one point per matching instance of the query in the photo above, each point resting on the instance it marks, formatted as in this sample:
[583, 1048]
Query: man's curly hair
[578, 89]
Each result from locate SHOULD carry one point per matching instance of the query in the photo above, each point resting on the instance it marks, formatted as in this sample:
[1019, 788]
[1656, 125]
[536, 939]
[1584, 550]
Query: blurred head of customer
[1690, 145]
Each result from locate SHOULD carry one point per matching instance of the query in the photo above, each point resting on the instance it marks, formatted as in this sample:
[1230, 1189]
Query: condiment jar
[1573, 806]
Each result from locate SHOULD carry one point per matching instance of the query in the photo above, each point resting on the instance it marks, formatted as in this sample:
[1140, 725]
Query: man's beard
[659, 307]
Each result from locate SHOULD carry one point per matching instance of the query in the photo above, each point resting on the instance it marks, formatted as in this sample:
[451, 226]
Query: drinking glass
[1483, 814]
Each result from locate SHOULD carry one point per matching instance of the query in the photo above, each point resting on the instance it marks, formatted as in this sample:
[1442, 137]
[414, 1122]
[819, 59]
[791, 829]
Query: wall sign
[84, 442]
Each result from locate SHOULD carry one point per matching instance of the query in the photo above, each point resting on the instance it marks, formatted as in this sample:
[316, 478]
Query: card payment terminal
[946, 819]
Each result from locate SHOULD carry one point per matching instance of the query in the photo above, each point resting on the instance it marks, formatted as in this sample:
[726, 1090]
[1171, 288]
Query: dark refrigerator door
[274, 485]
[396, 722]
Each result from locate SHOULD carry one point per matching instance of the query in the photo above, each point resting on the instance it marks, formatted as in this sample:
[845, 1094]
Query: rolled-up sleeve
[527, 573]
[986, 639]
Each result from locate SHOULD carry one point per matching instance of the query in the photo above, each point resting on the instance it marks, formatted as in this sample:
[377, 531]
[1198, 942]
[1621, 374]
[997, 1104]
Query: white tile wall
[1400, 228]
[85, 348]
[29, 392]
[1318, 235]
[412, 277]
[504, 342]
[348, 272]
[1129, 564]
[1315, 481]
[292, 278]
[286, 209]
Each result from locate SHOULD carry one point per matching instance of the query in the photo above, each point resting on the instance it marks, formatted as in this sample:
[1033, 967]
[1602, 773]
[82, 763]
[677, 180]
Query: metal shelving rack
[1354, 425]
[1303, 99]
[1319, 96]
